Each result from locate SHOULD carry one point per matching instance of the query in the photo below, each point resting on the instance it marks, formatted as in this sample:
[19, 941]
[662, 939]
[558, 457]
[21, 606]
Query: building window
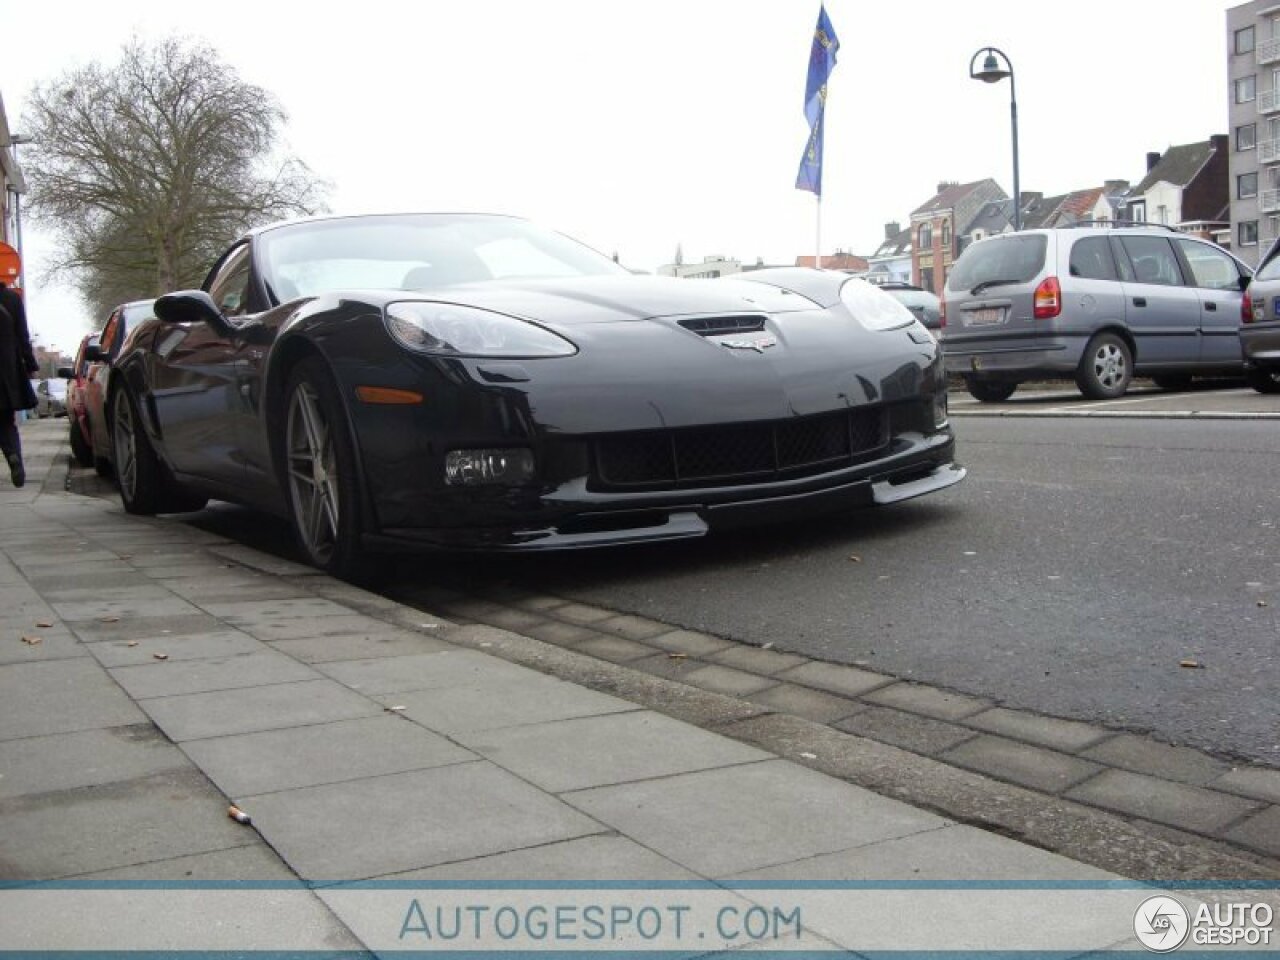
[1246, 89]
[1244, 40]
[946, 234]
[1246, 186]
[1247, 136]
[1162, 214]
[926, 237]
[1249, 233]
[1138, 210]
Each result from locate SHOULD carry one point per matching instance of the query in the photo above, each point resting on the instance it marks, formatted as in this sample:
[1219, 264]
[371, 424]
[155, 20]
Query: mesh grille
[739, 454]
[717, 326]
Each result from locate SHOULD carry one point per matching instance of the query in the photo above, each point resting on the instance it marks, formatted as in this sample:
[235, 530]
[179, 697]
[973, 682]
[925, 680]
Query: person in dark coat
[17, 364]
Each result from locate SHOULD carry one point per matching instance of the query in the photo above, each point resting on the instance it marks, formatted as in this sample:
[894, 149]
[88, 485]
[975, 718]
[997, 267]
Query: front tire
[1106, 368]
[321, 475]
[990, 391]
[146, 487]
[1264, 381]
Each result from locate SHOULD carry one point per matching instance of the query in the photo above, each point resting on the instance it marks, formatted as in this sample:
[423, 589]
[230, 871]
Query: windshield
[1007, 259]
[417, 253]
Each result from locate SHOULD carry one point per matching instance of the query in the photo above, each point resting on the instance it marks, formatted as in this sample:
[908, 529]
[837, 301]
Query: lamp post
[14, 140]
[993, 72]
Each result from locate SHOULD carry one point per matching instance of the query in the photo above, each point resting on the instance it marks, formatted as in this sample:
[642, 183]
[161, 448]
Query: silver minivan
[1097, 304]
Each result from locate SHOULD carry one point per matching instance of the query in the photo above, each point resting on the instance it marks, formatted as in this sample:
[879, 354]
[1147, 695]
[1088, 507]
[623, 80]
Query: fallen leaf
[397, 708]
[238, 815]
[677, 656]
[1191, 664]
[132, 643]
[161, 656]
[44, 624]
[854, 558]
[108, 619]
[809, 756]
[1262, 603]
[767, 646]
[32, 641]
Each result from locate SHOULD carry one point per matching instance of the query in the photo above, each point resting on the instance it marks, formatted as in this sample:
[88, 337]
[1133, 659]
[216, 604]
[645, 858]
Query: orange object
[10, 265]
[387, 395]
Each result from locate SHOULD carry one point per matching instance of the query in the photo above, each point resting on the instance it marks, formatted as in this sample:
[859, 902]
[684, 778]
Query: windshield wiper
[991, 283]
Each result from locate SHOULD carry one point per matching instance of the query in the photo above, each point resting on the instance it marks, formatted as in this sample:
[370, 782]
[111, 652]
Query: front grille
[719, 326]
[739, 453]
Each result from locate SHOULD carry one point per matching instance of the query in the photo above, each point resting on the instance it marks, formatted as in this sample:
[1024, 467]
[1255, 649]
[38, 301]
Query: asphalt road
[1071, 574]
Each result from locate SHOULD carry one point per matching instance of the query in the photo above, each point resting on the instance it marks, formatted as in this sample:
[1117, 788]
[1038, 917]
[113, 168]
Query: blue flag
[822, 60]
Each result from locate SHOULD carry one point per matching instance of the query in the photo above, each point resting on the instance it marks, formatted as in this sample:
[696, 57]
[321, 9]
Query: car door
[1217, 280]
[195, 383]
[1161, 309]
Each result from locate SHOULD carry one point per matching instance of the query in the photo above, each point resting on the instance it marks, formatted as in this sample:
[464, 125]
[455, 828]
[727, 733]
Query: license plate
[983, 317]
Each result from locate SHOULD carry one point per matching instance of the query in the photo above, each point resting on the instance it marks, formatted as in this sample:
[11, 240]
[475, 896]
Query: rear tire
[146, 486]
[80, 448]
[320, 476]
[990, 391]
[1106, 368]
[1264, 381]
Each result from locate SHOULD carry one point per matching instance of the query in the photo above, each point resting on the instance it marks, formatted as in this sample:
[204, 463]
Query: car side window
[1091, 259]
[1211, 269]
[1153, 260]
[107, 340]
[230, 285]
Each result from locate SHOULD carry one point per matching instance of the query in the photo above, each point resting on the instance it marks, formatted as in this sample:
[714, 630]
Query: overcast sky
[637, 126]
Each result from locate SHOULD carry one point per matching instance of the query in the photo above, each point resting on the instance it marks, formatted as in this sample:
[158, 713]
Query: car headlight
[873, 308]
[449, 329]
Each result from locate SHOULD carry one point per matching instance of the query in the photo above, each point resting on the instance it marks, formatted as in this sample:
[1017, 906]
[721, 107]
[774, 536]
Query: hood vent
[719, 326]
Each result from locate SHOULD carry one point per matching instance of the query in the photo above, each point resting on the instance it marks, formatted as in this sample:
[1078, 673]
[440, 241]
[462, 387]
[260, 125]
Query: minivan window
[1091, 259]
[1211, 268]
[1153, 260]
[1008, 259]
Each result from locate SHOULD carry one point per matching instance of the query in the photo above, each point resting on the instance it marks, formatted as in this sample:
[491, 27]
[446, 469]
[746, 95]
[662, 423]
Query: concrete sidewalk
[151, 674]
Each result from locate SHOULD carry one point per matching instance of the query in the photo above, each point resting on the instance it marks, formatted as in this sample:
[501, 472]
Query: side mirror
[93, 353]
[66, 373]
[1244, 282]
[193, 306]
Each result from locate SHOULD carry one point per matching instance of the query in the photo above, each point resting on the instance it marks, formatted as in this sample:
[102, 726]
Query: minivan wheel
[1106, 368]
[990, 391]
[1264, 381]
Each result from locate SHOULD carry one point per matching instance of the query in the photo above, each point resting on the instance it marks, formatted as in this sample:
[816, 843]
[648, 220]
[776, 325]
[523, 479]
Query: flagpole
[817, 259]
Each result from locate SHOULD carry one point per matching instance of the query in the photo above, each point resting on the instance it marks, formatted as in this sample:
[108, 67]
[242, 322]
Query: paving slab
[172, 678]
[604, 857]
[142, 628]
[1262, 783]
[256, 612]
[55, 643]
[730, 820]
[1260, 832]
[614, 649]
[94, 828]
[64, 761]
[632, 627]
[928, 701]
[756, 659]
[1175, 804]
[426, 671]
[835, 678]
[1144, 755]
[157, 603]
[562, 634]
[60, 696]
[502, 703]
[1069, 736]
[384, 825]
[687, 641]
[918, 734]
[274, 760]
[227, 712]
[951, 852]
[614, 748]
[175, 647]
[727, 680]
[583, 613]
[293, 628]
[807, 702]
[1021, 763]
[360, 646]
[252, 862]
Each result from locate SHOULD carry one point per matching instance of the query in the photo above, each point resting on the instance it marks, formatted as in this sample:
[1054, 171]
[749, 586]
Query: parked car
[474, 381]
[78, 430]
[111, 341]
[925, 304]
[1260, 331]
[1098, 305]
[51, 397]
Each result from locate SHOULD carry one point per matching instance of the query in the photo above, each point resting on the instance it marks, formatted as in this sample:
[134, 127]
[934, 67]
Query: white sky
[635, 126]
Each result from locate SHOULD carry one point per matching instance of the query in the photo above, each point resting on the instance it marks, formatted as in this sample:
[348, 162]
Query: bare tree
[147, 169]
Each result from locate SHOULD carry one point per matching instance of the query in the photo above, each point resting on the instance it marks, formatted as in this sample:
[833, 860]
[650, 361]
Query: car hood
[585, 300]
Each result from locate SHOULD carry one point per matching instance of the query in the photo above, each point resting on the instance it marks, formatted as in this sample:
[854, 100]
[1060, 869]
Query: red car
[98, 378]
[78, 429]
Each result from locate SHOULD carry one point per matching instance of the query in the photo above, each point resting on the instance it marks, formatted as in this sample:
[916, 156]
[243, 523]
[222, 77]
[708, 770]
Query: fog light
[940, 409]
[469, 468]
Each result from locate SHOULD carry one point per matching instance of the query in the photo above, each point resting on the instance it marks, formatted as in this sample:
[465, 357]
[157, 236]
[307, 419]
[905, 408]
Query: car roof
[326, 217]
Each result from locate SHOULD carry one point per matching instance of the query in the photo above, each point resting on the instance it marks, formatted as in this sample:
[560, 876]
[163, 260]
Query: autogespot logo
[1161, 924]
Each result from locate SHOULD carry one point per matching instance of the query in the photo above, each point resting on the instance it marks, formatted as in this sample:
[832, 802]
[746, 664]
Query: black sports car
[473, 381]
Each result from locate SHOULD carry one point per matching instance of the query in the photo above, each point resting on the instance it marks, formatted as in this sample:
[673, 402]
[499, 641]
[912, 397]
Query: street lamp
[14, 140]
[993, 72]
